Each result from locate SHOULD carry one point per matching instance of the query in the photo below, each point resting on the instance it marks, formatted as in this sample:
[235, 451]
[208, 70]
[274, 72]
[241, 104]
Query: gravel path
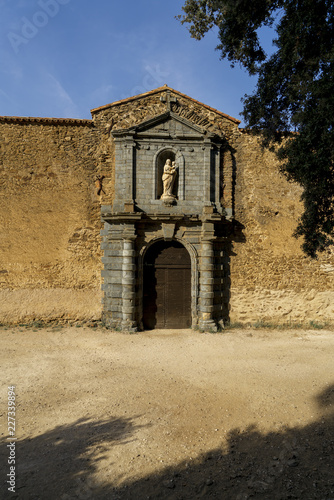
[169, 414]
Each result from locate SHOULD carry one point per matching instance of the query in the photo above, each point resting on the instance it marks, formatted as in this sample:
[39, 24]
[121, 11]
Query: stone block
[114, 293]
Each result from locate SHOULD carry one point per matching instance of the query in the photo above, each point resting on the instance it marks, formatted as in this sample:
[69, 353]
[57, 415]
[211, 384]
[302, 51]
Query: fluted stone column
[128, 283]
[206, 293]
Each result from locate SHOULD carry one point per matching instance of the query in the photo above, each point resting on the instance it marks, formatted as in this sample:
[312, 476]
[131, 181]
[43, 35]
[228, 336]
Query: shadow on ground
[296, 462]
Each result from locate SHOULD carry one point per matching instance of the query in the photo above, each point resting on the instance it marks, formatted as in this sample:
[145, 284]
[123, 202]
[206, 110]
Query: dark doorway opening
[167, 286]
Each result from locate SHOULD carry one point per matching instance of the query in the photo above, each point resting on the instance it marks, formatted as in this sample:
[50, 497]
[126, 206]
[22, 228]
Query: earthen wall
[49, 220]
[271, 279]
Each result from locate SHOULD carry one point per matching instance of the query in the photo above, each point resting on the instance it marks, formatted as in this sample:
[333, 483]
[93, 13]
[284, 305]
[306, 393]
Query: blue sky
[61, 58]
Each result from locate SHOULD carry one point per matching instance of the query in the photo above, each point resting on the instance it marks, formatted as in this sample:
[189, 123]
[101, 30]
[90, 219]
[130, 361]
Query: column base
[109, 322]
[129, 326]
[207, 325]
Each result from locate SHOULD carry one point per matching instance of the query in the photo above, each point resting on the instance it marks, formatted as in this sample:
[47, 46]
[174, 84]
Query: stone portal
[167, 212]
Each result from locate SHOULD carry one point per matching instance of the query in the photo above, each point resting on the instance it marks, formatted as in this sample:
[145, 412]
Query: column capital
[129, 232]
[208, 232]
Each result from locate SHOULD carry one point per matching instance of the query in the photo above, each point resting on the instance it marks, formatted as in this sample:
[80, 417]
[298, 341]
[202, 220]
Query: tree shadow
[61, 463]
[295, 462]
[227, 234]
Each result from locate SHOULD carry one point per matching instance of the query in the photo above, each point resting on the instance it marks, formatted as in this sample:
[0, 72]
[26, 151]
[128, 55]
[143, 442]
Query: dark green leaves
[294, 92]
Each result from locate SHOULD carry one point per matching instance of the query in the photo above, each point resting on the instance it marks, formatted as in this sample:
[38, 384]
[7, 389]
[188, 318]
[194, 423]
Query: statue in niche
[168, 179]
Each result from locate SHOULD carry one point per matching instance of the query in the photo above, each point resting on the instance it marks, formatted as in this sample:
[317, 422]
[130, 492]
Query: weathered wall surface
[50, 257]
[271, 279]
[49, 220]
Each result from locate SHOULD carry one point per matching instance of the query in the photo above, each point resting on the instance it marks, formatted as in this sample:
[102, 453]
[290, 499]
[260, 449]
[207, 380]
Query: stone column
[125, 165]
[207, 173]
[206, 293]
[112, 274]
[129, 281]
[228, 184]
[218, 175]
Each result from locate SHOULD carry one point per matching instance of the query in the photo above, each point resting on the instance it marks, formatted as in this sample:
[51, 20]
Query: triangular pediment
[156, 104]
[168, 124]
[160, 92]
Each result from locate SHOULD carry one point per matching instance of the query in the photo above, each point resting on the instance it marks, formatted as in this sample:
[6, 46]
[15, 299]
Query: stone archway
[167, 286]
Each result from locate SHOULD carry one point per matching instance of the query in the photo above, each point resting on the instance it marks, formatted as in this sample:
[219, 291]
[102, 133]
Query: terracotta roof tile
[56, 121]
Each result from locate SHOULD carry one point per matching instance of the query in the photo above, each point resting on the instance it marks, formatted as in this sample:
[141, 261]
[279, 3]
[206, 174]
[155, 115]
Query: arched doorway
[167, 286]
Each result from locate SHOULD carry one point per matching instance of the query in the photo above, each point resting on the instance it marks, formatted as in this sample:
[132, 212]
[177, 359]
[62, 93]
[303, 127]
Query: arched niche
[159, 161]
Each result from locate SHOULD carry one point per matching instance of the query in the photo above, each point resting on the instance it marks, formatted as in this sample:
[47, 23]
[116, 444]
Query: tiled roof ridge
[160, 89]
[33, 119]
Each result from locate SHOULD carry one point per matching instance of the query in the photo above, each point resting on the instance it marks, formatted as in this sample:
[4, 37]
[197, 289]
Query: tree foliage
[294, 93]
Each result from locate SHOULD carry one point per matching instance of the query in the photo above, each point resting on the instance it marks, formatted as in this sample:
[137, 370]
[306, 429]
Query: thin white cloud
[10, 65]
[151, 76]
[7, 98]
[101, 93]
[4, 94]
[63, 100]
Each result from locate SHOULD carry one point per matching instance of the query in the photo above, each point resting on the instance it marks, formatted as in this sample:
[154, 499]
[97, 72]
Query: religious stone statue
[168, 179]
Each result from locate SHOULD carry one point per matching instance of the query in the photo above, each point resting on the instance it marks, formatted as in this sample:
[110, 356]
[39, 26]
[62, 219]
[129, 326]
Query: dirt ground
[169, 414]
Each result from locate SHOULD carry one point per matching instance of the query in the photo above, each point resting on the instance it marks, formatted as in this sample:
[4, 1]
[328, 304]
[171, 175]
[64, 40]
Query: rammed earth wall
[56, 174]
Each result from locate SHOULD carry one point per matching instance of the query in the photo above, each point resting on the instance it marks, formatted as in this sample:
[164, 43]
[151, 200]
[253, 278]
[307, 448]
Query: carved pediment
[167, 163]
[168, 125]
